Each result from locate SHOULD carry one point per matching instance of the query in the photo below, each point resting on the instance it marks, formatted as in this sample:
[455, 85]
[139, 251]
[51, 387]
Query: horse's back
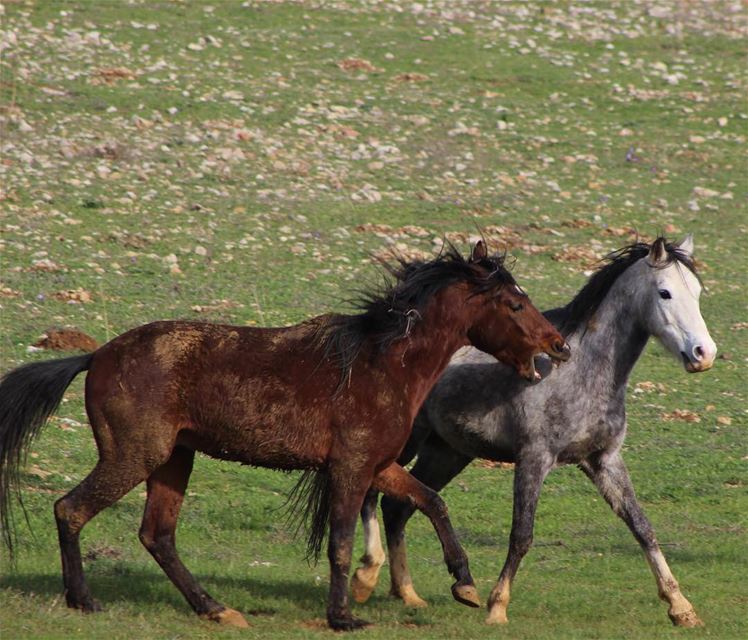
[158, 354]
[167, 345]
[221, 389]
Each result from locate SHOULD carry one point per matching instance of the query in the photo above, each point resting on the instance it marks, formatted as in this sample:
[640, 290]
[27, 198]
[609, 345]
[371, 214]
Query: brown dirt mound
[67, 340]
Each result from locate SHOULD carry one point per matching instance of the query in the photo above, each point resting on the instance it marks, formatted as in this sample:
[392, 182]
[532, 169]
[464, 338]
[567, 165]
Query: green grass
[267, 163]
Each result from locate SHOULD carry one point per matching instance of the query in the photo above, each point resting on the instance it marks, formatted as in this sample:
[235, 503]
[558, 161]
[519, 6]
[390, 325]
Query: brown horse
[336, 395]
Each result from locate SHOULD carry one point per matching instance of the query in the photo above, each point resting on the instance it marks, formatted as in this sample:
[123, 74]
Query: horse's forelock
[673, 253]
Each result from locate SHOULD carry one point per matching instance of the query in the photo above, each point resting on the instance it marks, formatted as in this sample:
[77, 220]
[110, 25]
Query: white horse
[577, 415]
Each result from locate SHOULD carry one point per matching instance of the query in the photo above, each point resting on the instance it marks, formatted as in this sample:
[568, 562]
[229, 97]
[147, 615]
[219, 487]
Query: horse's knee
[396, 511]
[520, 545]
[437, 506]
[155, 541]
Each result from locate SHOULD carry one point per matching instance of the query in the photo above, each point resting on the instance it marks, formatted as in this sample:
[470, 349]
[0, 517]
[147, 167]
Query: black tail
[309, 508]
[28, 396]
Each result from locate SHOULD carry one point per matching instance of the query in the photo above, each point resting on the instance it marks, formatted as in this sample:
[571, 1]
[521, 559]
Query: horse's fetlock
[669, 590]
[374, 559]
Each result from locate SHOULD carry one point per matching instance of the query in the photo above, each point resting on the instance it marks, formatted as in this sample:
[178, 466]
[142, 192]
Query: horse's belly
[479, 442]
[498, 452]
[262, 447]
[579, 450]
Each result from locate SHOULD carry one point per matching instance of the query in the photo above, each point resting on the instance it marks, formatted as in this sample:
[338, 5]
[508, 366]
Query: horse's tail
[28, 396]
[308, 507]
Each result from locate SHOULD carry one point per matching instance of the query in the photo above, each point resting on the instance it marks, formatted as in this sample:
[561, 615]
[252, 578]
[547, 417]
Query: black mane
[389, 314]
[574, 315]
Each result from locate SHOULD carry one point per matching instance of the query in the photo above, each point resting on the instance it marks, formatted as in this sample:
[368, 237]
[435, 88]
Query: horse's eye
[516, 306]
[665, 294]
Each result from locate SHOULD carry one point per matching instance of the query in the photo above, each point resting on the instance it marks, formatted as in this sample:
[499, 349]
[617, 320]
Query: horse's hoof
[228, 617]
[346, 623]
[87, 605]
[94, 606]
[466, 594]
[686, 618]
[497, 616]
[362, 586]
[408, 595]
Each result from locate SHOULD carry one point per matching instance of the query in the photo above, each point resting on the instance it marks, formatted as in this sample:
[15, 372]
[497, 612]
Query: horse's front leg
[346, 497]
[529, 473]
[396, 482]
[366, 576]
[437, 464]
[609, 474]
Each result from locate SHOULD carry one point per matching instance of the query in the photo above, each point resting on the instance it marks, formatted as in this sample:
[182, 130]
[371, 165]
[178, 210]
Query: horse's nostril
[558, 347]
[698, 352]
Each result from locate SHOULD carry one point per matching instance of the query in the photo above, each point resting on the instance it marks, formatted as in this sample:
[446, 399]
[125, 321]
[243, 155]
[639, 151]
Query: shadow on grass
[139, 587]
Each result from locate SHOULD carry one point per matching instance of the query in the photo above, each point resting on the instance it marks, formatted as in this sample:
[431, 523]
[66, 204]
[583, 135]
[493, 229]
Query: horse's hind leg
[166, 487]
[610, 476]
[111, 479]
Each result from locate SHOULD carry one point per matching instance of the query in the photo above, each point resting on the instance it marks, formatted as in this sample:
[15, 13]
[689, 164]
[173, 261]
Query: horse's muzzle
[696, 365]
[560, 351]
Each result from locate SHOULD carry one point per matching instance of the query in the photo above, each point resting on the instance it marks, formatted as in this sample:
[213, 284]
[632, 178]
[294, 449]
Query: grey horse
[577, 415]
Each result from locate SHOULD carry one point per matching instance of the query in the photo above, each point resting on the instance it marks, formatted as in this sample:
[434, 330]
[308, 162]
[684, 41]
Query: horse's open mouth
[532, 374]
[557, 355]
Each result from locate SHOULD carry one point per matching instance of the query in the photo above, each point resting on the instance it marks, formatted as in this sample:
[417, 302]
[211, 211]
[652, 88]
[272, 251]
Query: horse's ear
[480, 252]
[657, 252]
[686, 245]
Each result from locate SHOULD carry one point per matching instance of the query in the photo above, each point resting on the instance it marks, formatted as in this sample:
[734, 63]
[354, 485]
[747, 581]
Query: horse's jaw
[529, 372]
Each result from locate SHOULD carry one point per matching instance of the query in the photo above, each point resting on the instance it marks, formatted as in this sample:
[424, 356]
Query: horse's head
[668, 304]
[507, 325]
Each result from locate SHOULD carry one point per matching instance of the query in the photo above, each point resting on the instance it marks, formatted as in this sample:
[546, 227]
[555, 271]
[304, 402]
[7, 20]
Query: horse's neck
[416, 361]
[608, 345]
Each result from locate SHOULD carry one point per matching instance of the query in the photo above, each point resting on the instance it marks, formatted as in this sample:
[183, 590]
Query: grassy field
[242, 161]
